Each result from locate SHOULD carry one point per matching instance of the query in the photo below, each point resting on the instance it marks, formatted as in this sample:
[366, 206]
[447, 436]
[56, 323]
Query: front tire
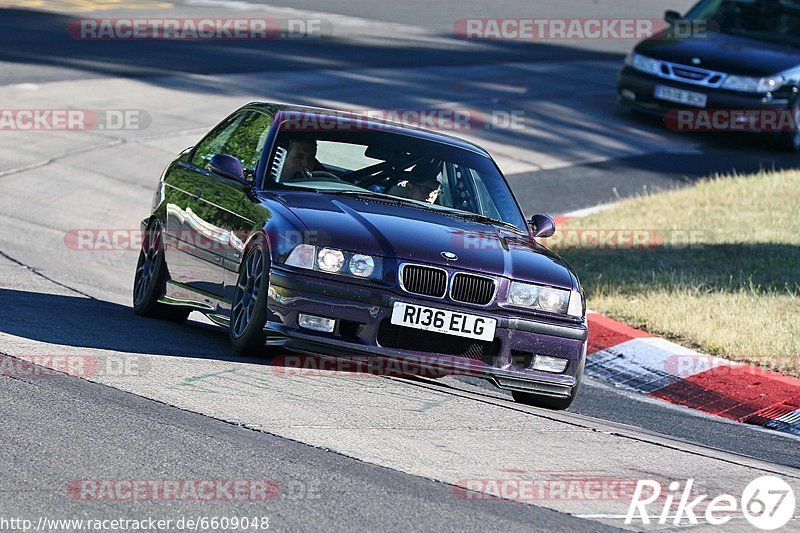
[549, 402]
[249, 307]
[149, 283]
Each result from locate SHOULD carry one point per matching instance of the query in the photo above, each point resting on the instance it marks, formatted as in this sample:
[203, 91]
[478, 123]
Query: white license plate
[679, 96]
[443, 321]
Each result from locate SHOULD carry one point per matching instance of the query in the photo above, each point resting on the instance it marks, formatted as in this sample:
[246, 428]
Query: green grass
[734, 292]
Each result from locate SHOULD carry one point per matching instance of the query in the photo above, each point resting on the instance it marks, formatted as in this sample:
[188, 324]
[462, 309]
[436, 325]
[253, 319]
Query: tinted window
[247, 140]
[767, 20]
[215, 141]
[429, 173]
[242, 136]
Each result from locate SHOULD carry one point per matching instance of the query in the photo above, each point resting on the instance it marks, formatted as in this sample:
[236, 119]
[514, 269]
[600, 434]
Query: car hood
[723, 53]
[406, 233]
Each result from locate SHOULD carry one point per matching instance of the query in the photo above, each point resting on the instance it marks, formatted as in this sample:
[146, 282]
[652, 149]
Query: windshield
[776, 21]
[417, 172]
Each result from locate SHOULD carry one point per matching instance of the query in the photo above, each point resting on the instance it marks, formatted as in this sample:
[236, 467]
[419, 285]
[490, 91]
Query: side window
[247, 140]
[462, 190]
[445, 197]
[495, 199]
[242, 136]
[215, 141]
[483, 197]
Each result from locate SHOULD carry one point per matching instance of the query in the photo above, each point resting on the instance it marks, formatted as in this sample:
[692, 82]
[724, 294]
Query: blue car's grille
[472, 289]
[427, 281]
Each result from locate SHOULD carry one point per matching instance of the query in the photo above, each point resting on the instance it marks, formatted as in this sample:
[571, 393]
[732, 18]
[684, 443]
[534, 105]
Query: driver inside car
[301, 160]
[422, 184]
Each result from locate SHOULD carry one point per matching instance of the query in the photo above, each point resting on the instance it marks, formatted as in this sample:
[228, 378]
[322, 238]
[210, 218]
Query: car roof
[385, 125]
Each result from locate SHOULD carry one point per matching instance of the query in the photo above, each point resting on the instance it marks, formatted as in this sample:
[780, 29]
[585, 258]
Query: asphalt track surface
[347, 451]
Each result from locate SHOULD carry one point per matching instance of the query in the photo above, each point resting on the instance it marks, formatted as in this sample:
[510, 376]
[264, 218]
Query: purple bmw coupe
[336, 234]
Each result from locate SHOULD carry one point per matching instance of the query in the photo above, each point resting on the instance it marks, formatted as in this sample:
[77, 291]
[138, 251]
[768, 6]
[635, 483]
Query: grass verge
[715, 267]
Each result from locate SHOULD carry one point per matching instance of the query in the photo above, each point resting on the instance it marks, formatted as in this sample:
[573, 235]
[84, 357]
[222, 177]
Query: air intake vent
[402, 338]
[472, 289]
[427, 281]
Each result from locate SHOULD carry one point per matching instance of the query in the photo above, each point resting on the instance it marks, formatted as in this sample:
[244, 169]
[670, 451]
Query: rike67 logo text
[768, 503]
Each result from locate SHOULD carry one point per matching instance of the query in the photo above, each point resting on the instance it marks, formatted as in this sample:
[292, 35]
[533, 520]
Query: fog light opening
[628, 95]
[317, 323]
[546, 363]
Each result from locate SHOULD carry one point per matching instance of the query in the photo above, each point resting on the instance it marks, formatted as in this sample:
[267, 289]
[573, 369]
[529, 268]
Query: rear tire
[249, 306]
[149, 283]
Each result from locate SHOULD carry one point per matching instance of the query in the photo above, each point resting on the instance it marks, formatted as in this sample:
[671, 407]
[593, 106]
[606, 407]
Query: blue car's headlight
[334, 261]
[362, 265]
[543, 298]
[330, 260]
[303, 256]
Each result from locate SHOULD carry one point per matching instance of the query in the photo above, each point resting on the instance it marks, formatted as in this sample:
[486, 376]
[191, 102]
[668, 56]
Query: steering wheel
[322, 175]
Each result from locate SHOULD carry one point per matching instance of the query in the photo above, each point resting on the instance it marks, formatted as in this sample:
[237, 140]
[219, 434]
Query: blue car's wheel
[549, 402]
[249, 306]
[149, 283]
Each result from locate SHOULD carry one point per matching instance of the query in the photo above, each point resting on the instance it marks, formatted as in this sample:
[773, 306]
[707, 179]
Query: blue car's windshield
[422, 172]
[776, 21]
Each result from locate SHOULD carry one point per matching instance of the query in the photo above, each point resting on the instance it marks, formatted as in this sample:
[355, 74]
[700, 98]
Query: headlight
[576, 306]
[330, 260]
[748, 84]
[362, 265]
[643, 63]
[334, 261]
[303, 256]
[548, 299]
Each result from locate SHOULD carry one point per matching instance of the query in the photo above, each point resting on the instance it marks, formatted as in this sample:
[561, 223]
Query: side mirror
[227, 166]
[671, 16]
[542, 226]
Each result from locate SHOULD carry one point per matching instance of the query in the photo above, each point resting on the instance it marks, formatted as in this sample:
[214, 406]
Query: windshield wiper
[372, 195]
[483, 218]
[426, 206]
[362, 194]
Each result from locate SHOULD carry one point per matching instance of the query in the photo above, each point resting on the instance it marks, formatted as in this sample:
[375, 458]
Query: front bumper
[643, 86]
[361, 312]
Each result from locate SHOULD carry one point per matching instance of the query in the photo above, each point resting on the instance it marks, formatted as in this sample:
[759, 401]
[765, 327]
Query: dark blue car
[335, 234]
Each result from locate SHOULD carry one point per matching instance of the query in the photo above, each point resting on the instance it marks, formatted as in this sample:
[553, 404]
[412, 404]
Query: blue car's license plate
[443, 321]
